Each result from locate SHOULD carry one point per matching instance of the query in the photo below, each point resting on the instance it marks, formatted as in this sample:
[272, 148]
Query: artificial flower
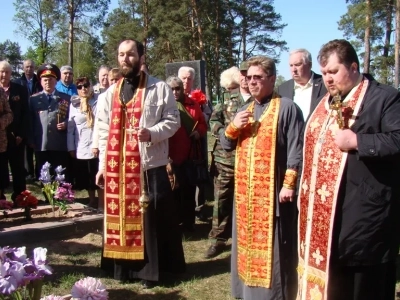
[4, 204]
[52, 297]
[89, 288]
[198, 96]
[26, 199]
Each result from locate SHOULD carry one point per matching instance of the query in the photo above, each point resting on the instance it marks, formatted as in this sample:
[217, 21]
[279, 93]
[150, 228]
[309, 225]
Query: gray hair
[306, 55]
[66, 68]
[29, 60]
[187, 69]
[5, 64]
[176, 79]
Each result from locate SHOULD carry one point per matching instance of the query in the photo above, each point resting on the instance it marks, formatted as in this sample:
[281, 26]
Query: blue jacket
[69, 90]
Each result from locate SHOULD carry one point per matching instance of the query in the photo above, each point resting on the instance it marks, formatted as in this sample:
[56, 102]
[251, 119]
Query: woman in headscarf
[80, 132]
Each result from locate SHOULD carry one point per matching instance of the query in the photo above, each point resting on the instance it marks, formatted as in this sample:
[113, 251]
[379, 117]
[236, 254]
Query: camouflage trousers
[223, 203]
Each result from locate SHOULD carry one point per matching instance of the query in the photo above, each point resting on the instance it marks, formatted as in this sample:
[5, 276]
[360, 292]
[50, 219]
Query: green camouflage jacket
[222, 115]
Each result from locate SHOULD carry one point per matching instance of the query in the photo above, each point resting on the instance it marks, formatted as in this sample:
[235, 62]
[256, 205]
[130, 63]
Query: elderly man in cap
[65, 84]
[49, 116]
[223, 163]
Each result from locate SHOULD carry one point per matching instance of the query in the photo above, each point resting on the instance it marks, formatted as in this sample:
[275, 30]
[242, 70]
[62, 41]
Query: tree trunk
[217, 45]
[386, 47]
[71, 9]
[396, 49]
[367, 35]
[244, 30]
[145, 25]
[201, 46]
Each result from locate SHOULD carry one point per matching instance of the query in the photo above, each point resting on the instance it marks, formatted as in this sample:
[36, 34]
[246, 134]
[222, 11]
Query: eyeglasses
[176, 88]
[79, 87]
[256, 78]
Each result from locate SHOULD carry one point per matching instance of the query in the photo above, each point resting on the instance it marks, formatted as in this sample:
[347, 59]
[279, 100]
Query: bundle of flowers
[57, 192]
[26, 199]
[198, 96]
[88, 288]
[6, 205]
[18, 273]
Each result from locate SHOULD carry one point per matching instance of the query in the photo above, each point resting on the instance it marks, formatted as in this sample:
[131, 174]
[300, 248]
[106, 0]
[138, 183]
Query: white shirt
[302, 96]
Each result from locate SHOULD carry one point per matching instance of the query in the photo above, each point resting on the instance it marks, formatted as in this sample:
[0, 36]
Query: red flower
[198, 96]
[26, 199]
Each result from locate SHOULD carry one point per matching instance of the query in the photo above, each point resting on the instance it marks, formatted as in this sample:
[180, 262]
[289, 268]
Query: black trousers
[15, 156]
[31, 168]
[362, 283]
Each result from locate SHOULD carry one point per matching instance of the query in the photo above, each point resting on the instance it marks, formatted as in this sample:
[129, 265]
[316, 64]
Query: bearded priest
[135, 121]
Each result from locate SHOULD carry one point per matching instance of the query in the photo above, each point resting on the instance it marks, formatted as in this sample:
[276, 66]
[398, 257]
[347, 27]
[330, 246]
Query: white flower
[39, 255]
[20, 254]
[89, 288]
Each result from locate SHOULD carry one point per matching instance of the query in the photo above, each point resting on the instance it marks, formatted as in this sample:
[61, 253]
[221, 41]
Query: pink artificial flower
[89, 288]
[52, 297]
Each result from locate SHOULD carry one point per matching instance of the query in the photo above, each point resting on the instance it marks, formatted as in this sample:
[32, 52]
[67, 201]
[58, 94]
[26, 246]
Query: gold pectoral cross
[337, 106]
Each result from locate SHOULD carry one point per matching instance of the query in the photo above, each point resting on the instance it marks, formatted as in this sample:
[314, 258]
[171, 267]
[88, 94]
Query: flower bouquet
[20, 276]
[6, 205]
[198, 96]
[57, 192]
[27, 201]
[88, 288]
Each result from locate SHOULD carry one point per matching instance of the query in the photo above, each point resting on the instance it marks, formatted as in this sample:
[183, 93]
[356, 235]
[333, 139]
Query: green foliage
[354, 24]
[38, 21]
[11, 52]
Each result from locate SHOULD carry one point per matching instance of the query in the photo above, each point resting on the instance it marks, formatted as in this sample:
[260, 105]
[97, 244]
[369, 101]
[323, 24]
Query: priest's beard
[130, 71]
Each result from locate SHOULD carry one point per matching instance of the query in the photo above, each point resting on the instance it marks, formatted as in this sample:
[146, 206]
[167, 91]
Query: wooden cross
[337, 106]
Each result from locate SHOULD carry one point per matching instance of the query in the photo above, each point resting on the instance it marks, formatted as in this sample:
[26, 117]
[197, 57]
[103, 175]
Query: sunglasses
[79, 87]
[256, 78]
[176, 89]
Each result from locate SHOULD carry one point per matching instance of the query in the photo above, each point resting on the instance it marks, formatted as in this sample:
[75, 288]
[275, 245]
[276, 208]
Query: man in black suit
[18, 129]
[306, 87]
[29, 80]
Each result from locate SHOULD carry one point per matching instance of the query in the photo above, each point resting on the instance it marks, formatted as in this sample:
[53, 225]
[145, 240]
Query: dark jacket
[18, 100]
[36, 86]
[286, 89]
[44, 118]
[366, 229]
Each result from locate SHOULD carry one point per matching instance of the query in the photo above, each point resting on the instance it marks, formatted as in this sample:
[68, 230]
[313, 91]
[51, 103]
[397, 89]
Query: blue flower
[59, 170]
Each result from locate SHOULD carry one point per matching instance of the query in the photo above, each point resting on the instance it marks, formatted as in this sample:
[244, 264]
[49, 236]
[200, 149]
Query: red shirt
[179, 143]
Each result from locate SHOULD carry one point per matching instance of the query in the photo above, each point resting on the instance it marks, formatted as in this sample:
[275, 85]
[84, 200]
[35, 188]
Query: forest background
[85, 34]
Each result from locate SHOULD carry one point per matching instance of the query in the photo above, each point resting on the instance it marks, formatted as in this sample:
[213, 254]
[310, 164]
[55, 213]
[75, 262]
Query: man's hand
[241, 119]
[144, 135]
[72, 154]
[346, 139]
[100, 179]
[95, 152]
[286, 195]
[195, 134]
[61, 126]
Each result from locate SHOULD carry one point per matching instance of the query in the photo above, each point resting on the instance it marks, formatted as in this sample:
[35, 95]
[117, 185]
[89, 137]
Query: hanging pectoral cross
[337, 106]
[132, 128]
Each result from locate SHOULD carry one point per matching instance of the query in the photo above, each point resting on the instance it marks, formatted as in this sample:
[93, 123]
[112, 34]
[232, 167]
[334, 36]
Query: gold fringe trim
[311, 278]
[124, 255]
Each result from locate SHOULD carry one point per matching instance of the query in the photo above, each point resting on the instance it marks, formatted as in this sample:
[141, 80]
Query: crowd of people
[304, 173]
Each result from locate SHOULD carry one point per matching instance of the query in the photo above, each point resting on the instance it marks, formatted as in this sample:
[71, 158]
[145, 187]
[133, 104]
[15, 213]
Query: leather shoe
[215, 250]
[147, 284]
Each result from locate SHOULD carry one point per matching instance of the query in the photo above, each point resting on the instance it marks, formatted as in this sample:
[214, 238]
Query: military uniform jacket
[222, 115]
[44, 118]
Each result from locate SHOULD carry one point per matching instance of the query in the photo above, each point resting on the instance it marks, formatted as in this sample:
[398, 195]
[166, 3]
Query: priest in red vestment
[349, 189]
[266, 135]
[135, 120]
